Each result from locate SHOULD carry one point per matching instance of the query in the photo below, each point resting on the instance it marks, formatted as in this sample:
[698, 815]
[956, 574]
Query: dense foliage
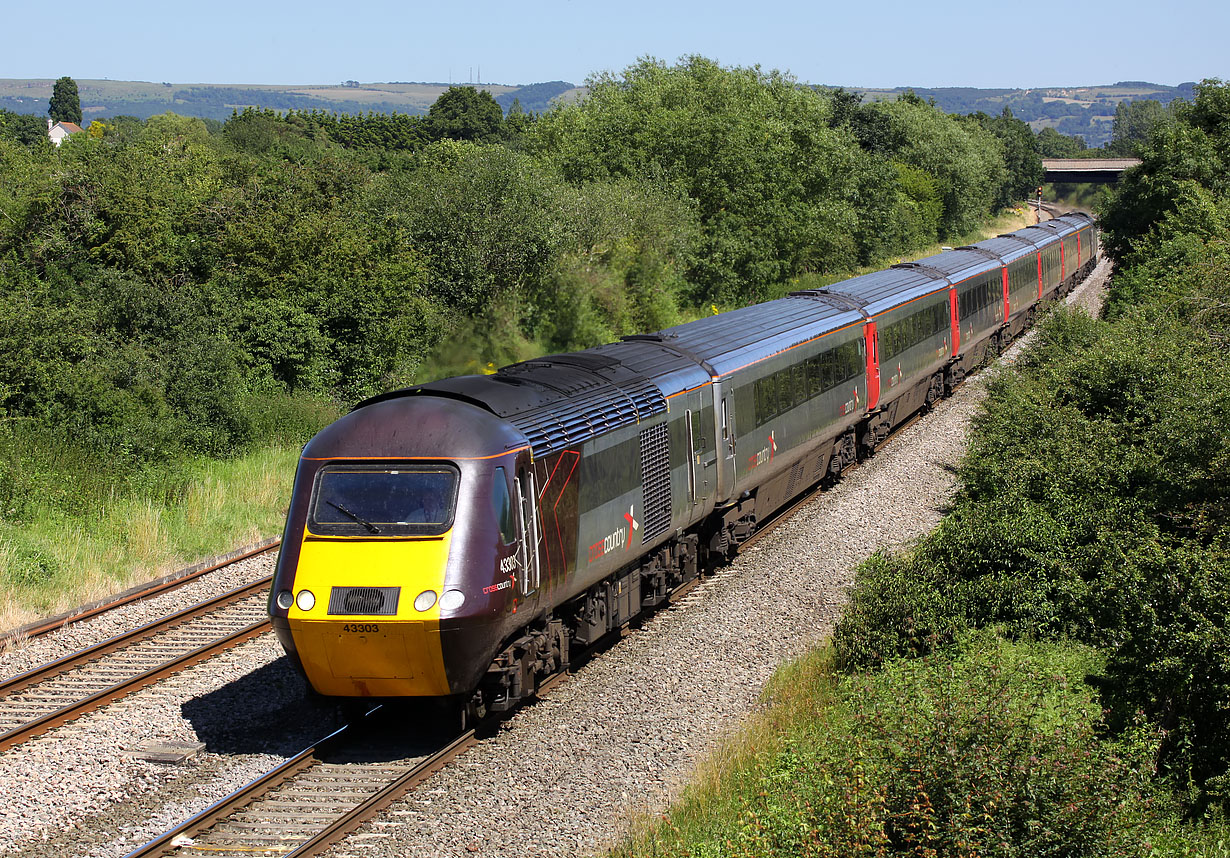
[176, 287]
[1095, 497]
[988, 748]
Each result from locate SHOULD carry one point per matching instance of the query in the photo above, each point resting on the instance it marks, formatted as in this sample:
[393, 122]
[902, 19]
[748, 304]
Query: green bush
[985, 748]
[774, 186]
[963, 159]
[994, 750]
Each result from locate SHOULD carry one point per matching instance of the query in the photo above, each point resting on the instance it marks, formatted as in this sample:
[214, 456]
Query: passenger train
[457, 540]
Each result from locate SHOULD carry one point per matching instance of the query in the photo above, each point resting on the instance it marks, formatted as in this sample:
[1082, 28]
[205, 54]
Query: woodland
[177, 288]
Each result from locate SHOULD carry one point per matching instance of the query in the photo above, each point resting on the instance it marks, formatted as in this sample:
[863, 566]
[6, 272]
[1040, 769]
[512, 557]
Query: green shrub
[985, 748]
[993, 749]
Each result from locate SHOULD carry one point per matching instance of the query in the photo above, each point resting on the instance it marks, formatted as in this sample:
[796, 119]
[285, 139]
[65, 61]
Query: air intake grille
[796, 477]
[367, 601]
[572, 421]
[656, 480]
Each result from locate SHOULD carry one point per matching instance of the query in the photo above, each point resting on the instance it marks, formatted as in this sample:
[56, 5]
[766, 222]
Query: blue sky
[852, 43]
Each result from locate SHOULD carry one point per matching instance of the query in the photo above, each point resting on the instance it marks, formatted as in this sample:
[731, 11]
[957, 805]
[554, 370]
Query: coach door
[702, 451]
[724, 438]
[527, 556]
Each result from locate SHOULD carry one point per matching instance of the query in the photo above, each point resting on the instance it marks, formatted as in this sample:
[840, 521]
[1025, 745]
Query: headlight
[285, 599]
[305, 600]
[425, 600]
[452, 600]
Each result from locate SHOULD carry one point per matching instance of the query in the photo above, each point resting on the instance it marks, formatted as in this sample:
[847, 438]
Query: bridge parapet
[1085, 169]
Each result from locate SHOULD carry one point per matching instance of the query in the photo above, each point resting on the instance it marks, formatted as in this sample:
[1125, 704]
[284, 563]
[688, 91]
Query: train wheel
[472, 713]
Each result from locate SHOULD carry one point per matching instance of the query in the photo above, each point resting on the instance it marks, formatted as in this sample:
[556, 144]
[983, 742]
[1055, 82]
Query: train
[458, 541]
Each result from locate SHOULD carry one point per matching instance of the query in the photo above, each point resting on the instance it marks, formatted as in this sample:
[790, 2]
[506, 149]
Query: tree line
[165, 280]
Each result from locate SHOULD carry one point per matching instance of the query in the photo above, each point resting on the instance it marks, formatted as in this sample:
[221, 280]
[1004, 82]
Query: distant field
[103, 98]
[1085, 111]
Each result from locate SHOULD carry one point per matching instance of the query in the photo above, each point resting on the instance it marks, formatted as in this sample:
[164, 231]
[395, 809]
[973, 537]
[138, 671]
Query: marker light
[285, 599]
[452, 600]
[425, 600]
[305, 600]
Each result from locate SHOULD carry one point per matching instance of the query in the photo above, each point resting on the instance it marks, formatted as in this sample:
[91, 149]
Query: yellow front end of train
[370, 654]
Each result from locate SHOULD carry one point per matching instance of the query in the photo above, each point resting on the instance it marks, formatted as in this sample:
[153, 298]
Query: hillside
[1085, 111]
[104, 98]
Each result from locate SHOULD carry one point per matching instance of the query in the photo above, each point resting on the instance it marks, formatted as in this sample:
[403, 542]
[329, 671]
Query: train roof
[670, 369]
[1040, 237]
[730, 341]
[957, 265]
[1076, 219]
[1009, 247]
[556, 401]
[881, 291]
[1056, 226]
[380, 425]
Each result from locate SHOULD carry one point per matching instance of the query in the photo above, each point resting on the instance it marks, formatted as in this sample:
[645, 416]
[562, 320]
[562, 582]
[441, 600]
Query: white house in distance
[57, 131]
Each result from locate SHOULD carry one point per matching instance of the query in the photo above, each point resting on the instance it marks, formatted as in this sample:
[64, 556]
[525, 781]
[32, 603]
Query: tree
[1182, 159]
[1052, 144]
[465, 113]
[1133, 122]
[1020, 155]
[25, 128]
[965, 159]
[65, 103]
[771, 181]
[517, 121]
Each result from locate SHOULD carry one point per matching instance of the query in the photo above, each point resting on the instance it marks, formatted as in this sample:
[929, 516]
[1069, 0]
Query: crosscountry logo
[765, 455]
[620, 538]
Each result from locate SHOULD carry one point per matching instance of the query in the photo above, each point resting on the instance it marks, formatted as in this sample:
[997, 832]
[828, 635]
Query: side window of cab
[501, 505]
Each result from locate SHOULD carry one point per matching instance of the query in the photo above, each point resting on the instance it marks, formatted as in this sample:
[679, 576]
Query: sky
[860, 43]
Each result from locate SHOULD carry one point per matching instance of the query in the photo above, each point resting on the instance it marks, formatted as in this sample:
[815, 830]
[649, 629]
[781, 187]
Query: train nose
[371, 625]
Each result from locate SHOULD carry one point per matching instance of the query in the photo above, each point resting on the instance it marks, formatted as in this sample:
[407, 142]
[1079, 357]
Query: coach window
[815, 377]
[501, 505]
[781, 384]
[799, 379]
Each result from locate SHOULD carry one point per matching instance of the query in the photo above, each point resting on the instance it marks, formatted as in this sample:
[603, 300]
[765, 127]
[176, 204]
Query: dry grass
[57, 563]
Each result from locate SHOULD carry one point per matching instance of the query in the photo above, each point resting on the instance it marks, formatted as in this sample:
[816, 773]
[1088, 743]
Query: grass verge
[54, 560]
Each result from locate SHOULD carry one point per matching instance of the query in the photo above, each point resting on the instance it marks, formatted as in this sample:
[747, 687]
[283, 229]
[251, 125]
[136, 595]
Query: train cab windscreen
[385, 501]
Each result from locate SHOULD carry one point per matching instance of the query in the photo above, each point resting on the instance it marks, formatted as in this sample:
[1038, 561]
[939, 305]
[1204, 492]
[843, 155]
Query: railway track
[89, 679]
[319, 796]
[136, 594]
[316, 797]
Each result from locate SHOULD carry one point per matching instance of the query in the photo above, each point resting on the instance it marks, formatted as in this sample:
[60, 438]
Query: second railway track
[60, 691]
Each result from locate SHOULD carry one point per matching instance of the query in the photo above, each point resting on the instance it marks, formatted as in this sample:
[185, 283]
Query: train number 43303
[361, 628]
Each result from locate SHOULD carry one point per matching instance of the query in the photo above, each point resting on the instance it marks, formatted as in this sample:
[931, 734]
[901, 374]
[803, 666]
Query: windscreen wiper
[371, 528]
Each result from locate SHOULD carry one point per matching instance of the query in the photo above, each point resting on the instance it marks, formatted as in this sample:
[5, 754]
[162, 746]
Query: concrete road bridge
[1085, 169]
